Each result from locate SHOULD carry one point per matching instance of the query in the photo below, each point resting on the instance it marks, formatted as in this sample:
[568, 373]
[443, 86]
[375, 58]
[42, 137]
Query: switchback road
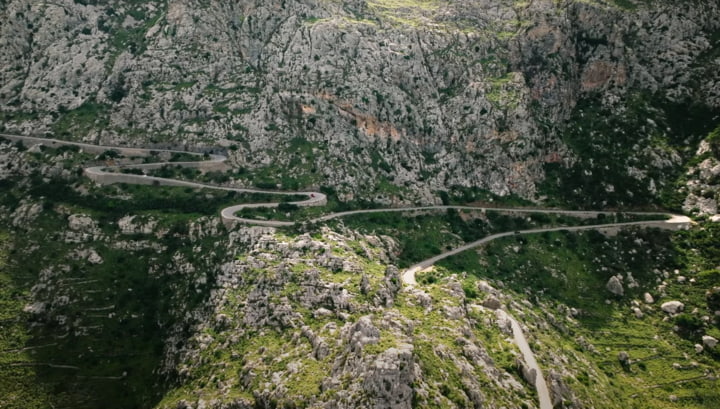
[112, 174]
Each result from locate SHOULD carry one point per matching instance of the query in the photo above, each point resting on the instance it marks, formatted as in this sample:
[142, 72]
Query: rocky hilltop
[392, 99]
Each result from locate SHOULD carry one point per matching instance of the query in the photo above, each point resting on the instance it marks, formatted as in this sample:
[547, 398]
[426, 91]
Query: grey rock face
[529, 374]
[364, 285]
[391, 285]
[561, 393]
[421, 98]
[492, 303]
[279, 327]
[702, 187]
[89, 255]
[25, 213]
[390, 378]
[363, 332]
[80, 222]
[136, 225]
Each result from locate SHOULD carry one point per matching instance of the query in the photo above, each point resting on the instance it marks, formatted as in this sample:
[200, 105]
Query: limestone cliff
[391, 99]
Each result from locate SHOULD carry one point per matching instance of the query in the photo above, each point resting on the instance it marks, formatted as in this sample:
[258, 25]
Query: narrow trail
[106, 175]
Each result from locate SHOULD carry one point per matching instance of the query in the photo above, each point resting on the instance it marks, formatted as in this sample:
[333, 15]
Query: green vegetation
[626, 4]
[120, 199]
[675, 195]
[187, 157]
[113, 351]
[461, 195]
[714, 140]
[430, 233]
[560, 265]
[457, 195]
[300, 172]
[387, 341]
[172, 172]
[411, 13]
[101, 336]
[128, 38]
[17, 116]
[191, 174]
[502, 92]
[562, 270]
[18, 386]
[616, 150]
[268, 348]
[76, 123]
[420, 236]
[435, 335]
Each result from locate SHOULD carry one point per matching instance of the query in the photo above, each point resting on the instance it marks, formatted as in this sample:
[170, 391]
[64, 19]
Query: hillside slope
[138, 297]
[392, 99]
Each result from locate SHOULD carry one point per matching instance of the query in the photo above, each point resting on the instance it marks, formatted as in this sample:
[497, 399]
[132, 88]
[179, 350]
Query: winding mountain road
[408, 277]
[110, 174]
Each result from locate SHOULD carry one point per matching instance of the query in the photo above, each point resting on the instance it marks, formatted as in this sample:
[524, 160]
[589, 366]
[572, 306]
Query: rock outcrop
[672, 307]
[614, 285]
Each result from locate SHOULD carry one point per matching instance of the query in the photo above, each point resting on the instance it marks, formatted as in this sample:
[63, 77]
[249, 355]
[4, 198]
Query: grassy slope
[267, 352]
[18, 386]
[118, 311]
[425, 235]
[110, 354]
[558, 269]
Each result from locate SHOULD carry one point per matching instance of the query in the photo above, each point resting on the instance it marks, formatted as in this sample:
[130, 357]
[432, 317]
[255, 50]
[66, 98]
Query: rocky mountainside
[700, 185]
[396, 100]
[139, 296]
[129, 296]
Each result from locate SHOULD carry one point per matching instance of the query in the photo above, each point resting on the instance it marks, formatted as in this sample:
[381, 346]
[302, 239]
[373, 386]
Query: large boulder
[709, 342]
[614, 285]
[672, 307]
[389, 379]
[361, 333]
[528, 373]
[492, 302]
[137, 225]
